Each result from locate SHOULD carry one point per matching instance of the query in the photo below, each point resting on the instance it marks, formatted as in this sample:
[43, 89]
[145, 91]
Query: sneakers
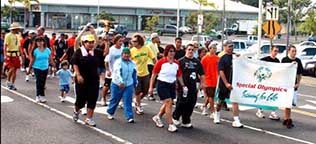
[274, 116]
[42, 99]
[260, 114]
[237, 124]
[176, 122]
[120, 105]
[172, 128]
[212, 115]
[104, 103]
[158, 122]
[201, 94]
[131, 121]
[139, 110]
[110, 117]
[27, 78]
[22, 69]
[217, 118]
[90, 122]
[151, 98]
[62, 98]
[37, 99]
[204, 110]
[288, 123]
[75, 116]
[189, 125]
[84, 111]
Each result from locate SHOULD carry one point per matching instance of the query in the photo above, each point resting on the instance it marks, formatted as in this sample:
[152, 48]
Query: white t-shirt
[114, 54]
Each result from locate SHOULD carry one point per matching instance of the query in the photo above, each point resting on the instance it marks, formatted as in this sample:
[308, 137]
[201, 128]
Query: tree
[309, 25]
[6, 11]
[104, 16]
[210, 21]
[27, 5]
[204, 3]
[151, 23]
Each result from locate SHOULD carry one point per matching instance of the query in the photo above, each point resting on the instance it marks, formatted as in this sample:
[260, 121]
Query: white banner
[262, 83]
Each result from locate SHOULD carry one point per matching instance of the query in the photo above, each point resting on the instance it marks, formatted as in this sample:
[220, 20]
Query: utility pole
[223, 23]
[178, 18]
[98, 13]
[259, 27]
[289, 3]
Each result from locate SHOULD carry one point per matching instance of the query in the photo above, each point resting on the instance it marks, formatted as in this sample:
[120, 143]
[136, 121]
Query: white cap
[154, 35]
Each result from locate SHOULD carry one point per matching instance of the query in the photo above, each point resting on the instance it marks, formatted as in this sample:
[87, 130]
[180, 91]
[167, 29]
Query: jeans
[40, 76]
[116, 95]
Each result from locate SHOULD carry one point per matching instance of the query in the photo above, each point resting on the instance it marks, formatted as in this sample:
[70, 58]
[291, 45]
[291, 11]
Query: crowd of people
[127, 68]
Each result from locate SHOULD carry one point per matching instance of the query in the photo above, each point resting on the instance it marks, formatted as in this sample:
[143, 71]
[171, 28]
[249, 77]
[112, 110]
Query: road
[24, 121]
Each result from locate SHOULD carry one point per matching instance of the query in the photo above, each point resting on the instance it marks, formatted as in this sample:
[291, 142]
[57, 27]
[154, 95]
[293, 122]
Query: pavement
[25, 121]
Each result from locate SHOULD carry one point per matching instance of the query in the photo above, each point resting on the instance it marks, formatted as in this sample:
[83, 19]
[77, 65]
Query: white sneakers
[62, 98]
[157, 121]
[90, 122]
[204, 110]
[27, 78]
[110, 117]
[189, 125]
[40, 99]
[274, 116]
[172, 128]
[139, 110]
[237, 124]
[217, 118]
[260, 114]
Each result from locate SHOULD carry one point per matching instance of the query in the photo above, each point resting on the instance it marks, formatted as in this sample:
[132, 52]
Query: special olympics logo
[263, 73]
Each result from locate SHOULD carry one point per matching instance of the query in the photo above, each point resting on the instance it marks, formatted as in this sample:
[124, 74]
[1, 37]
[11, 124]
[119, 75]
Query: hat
[212, 46]
[32, 32]
[126, 50]
[15, 25]
[153, 35]
[88, 37]
[228, 43]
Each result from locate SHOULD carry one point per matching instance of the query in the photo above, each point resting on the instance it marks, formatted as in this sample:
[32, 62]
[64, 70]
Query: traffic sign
[272, 13]
[200, 19]
[271, 28]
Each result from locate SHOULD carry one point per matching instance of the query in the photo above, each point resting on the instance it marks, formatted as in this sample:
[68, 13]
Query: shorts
[13, 62]
[210, 91]
[166, 90]
[101, 70]
[150, 69]
[87, 93]
[294, 102]
[64, 88]
[143, 85]
[107, 82]
[223, 93]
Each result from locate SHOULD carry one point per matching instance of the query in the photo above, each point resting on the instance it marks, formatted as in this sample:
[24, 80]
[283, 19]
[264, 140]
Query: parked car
[240, 46]
[168, 29]
[197, 38]
[264, 50]
[307, 43]
[119, 29]
[252, 39]
[215, 35]
[186, 30]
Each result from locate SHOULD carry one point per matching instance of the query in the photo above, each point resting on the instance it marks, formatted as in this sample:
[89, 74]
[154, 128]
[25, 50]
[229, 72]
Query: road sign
[272, 13]
[271, 28]
[200, 19]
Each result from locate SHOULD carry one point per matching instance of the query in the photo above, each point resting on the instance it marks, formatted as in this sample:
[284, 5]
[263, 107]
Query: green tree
[104, 16]
[309, 25]
[151, 23]
[6, 11]
[210, 21]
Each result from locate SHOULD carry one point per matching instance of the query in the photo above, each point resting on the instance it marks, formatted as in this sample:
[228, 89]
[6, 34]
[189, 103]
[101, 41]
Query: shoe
[237, 124]
[37, 99]
[42, 99]
[212, 115]
[110, 117]
[172, 128]
[139, 110]
[90, 122]
[204, 111]
[217, 118]
[158, 122]
[176, 122]
[75, 116]
[49, 76]
[104, 103]
[151, 98]
[189, 125]
[120, 105]
[22, 69]
[274, 116]
[84, 111]
[288, 123]
[201, 94]
[260, 114]
[27, 78]
[62, 99]
[131, 121]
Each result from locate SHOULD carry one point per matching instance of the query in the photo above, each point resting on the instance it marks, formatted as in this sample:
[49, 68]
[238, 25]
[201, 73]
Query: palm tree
[27, 5]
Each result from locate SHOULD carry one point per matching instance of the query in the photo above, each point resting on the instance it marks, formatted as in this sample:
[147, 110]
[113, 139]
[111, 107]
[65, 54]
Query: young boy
[64, 79]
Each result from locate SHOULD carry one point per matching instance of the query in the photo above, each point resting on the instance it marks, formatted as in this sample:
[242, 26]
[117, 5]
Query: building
[70, 14]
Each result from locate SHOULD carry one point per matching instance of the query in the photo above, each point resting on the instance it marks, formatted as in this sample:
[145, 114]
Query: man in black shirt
[61, 47]
[225, 68]
[192, 70]
[292, 59]
[271, 58]
[179, 51]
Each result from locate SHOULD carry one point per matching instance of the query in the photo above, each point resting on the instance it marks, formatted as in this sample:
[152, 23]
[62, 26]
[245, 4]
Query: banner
[261, 83]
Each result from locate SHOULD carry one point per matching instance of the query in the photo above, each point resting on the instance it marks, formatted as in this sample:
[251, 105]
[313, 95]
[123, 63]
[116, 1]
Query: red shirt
[210, 66]
[167, 72]
[71, 41]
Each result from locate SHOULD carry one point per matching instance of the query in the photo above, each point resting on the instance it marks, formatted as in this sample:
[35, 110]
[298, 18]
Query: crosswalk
[6, 99]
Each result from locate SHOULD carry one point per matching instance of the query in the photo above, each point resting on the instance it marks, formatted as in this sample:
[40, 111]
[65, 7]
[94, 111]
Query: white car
[201, 39]
[306, 43]
[251, 52]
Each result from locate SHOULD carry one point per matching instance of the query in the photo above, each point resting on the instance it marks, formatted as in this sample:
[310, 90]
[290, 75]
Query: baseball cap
[88, 37]
[154, 35]
[228, 43]
[126, 50]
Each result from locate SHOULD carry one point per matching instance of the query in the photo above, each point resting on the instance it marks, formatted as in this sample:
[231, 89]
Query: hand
[185, 89]
[108, 74]
[28, 71]
[296, 85]
[229, 86]
[150, 91]
[54, 69]
[121, 86]
[80, 79]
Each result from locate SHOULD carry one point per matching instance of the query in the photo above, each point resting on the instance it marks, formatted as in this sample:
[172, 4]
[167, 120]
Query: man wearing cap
[225, 69]
[124, 79]
[12, 54]
[154, 48]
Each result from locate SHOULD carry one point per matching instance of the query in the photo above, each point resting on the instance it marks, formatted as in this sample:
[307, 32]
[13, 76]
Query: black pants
[87, 93]
[185, 106]
[40, 76]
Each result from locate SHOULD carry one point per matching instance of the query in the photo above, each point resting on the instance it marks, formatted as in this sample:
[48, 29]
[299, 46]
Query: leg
[189, 106]
[128, 99]
[168, 110]
[116, 95]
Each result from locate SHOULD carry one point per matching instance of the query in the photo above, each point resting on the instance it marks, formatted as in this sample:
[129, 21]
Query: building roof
[231, 6]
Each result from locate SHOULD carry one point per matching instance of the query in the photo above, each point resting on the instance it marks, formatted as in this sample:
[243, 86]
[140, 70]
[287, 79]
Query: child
[64, 77]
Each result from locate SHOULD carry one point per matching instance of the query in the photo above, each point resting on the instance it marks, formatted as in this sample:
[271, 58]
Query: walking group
[137, 68]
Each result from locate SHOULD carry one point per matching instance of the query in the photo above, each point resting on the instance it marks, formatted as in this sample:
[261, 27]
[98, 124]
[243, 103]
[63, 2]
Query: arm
[51, 61]
[77, 72]
[32, 57]
[180, 79]
[298, 78]
[78, 38]
[223, 77]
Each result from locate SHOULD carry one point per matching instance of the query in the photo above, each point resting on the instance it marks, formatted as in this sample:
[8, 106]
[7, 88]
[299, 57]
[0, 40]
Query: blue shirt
[64, 76]
[124, 72]
[41, 59]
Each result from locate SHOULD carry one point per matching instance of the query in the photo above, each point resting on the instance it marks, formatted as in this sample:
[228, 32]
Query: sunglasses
[172, 51]
[90, 42]
[190, 49]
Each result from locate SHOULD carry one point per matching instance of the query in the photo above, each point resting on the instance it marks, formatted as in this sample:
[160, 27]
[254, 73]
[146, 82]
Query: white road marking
[311, 101]
[241, 108]
[108, 134]
[308, 96]
[307, 106]
[6, 99]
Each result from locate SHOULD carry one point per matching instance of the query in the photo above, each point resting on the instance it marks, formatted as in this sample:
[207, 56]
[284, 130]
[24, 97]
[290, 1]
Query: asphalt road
[24, 121]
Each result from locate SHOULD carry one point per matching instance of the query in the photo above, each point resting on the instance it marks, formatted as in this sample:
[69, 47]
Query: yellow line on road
[302, 112]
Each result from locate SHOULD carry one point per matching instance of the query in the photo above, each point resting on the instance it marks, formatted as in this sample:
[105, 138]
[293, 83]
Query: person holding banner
[292, 59]
[271, 58]
[225, 72]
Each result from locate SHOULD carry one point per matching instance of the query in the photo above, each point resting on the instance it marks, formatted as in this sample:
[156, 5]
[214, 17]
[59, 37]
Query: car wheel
[219, 37]
[124, 34]
[180, 34]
